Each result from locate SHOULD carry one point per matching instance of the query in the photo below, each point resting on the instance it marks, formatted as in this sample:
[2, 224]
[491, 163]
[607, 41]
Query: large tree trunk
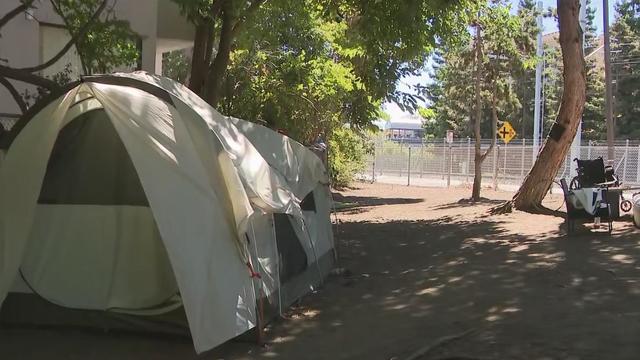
[477, 178]
[198, 64]
[218, 68]
[554, 150]
[203, 49]
[207, 77]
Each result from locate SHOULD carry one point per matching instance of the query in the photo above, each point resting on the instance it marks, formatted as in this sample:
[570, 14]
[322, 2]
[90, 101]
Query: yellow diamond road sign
[506, 132]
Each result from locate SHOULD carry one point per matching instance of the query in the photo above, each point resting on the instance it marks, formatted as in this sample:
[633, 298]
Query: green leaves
[625, 46]
[347, 155]
[315, 64]
[109, 43]
[312, 66]
[176, 65]
[507, 53]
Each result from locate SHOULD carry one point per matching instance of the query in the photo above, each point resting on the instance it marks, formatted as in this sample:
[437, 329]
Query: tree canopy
[310, 65]
[451, 89]
[625, 48]
[507, 53]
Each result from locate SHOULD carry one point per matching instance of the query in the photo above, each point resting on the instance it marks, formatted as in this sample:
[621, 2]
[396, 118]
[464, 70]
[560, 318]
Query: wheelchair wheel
[575, 184]
[626, 205]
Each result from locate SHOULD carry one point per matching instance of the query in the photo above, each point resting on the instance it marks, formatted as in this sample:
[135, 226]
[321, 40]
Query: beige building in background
[32, 38]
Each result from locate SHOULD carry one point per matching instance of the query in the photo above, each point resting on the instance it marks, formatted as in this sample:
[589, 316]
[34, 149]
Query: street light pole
[537, 110]
[577, 140]
[607, 74]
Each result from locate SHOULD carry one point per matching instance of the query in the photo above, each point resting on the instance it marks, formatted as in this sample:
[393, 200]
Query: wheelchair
[593, 173]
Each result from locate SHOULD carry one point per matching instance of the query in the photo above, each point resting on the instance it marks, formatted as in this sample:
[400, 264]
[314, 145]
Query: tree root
[504, 208]
[438, 343]
[509, 206]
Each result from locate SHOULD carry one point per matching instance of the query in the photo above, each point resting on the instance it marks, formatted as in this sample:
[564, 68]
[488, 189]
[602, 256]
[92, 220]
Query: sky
[549, 25]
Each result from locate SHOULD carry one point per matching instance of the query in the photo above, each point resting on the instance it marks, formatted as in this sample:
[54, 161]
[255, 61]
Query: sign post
[538, 104]
[449, 137]
[449, 141]
[506, 133]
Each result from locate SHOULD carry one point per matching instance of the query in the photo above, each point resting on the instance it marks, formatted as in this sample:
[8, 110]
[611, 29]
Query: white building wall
[51, 40]
[26, 41]
[19, 45]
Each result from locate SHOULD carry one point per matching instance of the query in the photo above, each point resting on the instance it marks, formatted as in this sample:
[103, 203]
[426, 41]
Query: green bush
[347, 156]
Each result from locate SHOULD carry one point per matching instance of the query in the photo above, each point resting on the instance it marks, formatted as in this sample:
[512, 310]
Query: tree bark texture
[208, 77]
[540, 178]
[199, 65]
[213, 87]
[477, 178]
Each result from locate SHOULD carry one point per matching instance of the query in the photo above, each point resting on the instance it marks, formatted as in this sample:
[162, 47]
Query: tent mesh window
[293, 259]
[89, 165]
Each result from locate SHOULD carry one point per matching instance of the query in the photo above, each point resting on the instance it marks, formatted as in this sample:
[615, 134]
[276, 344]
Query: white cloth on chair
[588, 199]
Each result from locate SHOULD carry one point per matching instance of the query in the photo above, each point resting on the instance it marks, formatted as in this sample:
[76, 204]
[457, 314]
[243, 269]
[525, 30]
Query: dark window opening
[308, 203]
[293, 258]
[89, 165]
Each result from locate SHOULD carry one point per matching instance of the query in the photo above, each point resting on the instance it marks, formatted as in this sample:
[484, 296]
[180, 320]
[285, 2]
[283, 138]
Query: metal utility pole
[608, 105]
[537, 110]
[577, 140]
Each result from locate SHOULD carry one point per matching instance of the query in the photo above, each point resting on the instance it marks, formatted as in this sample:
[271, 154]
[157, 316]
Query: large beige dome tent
[132, 197]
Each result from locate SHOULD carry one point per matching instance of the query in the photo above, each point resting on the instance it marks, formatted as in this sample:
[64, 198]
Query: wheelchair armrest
[607, 183]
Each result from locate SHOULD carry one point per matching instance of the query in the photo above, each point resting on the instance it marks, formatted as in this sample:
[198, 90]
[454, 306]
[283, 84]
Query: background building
[405, 128]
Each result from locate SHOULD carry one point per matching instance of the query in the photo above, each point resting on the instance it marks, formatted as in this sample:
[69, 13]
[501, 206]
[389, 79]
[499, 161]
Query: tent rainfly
[130, 197]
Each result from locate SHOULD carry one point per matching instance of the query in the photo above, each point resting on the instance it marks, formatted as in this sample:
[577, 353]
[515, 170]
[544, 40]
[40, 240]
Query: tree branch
[85, 69]
[255, 5]
[15, 94]
[28, 77]
[221, 61]
[15, 12]
[73, 41]
[494, 125]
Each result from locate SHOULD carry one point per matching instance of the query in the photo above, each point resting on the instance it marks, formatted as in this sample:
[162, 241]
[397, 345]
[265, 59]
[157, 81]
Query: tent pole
[608, 104]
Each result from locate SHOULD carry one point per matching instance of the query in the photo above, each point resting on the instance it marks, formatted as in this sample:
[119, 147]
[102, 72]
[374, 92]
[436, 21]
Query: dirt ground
[423, 268]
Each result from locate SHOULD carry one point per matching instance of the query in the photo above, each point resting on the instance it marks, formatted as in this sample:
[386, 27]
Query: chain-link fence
[436, 163]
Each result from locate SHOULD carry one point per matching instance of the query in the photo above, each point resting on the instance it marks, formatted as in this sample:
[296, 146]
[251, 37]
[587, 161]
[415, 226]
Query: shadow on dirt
[412, 282]
[355, 202]
[466, 202]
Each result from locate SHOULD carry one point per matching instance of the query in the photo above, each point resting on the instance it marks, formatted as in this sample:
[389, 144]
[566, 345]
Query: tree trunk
[477, 178]
[218, 68]
[539, 180]
[199, 64]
